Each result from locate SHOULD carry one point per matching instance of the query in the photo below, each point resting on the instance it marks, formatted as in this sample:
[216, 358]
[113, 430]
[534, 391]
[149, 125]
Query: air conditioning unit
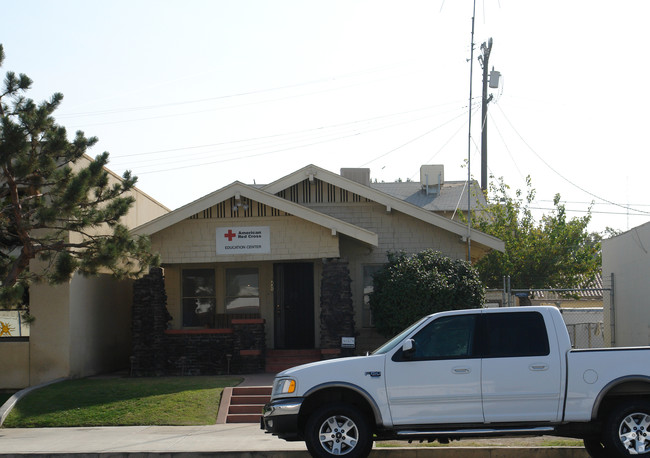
[432, 177]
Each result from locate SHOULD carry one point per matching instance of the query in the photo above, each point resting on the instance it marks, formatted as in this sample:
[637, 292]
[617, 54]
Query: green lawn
[122, 402]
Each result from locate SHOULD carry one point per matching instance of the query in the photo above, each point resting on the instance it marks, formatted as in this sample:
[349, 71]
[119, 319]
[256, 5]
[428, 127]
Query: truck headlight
[284, 386]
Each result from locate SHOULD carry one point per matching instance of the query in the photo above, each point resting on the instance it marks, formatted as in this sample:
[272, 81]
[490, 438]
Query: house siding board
[396, 230]
[194, 240]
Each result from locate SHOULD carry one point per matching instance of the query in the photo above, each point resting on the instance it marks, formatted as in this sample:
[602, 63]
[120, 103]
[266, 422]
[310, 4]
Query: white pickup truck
[469, 373]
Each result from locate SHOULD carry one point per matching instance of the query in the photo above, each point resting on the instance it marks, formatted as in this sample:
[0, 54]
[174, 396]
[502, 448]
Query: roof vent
[432, 177]
[361, 176]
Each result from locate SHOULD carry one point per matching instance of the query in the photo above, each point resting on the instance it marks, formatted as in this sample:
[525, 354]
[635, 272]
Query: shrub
[410, 287]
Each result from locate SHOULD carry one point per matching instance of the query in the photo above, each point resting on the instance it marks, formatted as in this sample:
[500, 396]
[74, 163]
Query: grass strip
[176, 401]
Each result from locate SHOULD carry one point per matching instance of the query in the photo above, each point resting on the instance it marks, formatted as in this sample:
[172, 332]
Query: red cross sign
[230, 235]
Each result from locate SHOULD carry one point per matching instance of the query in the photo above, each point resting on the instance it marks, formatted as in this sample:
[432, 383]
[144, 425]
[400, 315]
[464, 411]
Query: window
[515, 334]
[368, 287]
[242, 290]
[13, 323]
[449, 337]
[199, 299]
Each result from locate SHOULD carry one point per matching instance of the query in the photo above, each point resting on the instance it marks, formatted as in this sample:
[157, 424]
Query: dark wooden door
[294, 305]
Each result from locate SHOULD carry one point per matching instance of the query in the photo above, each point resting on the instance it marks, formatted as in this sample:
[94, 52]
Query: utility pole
[469, 143]
[484, 59]
[493, 82]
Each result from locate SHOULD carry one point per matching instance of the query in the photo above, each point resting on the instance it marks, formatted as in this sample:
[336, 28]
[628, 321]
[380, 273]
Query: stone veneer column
[337, 310]
[149, 321]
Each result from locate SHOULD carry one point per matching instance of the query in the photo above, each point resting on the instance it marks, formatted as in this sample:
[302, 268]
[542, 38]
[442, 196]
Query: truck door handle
[538, 367]
[461, 370]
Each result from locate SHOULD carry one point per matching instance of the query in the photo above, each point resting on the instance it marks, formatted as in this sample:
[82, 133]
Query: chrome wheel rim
[338, 435]
[634, 433]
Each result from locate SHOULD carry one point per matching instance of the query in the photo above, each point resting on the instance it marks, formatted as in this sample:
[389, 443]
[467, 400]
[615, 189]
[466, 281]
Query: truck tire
[595, 447]
[338, 430]
[627, 429]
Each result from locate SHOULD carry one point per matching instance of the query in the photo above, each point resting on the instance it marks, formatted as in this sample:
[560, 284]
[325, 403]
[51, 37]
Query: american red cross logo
[230, 235]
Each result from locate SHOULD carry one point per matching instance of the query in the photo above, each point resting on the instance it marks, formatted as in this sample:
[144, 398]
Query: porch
[236, 345]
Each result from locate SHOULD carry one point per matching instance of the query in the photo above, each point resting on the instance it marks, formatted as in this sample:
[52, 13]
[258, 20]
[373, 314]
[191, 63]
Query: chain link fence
[581, 308]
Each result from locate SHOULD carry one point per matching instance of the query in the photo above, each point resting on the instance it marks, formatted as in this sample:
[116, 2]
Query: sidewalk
[223, 440]
[230, 440]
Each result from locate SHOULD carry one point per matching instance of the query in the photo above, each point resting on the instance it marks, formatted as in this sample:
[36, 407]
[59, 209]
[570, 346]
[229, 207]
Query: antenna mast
[469, 144]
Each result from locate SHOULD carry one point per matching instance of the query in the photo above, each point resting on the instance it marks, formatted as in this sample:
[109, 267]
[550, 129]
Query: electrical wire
[411, 141]
[220, 108]
[280, 145]
[314, 129]
[303, 145]
[562, 176]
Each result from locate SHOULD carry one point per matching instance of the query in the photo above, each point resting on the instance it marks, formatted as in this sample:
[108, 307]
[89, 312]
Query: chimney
[361, 176]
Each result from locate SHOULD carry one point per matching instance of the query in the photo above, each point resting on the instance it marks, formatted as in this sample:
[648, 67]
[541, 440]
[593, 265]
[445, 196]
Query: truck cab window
[449, 337]
[515, 335]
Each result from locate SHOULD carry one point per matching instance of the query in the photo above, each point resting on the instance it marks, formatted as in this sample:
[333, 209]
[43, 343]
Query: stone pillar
[149, 321]
[337, 309]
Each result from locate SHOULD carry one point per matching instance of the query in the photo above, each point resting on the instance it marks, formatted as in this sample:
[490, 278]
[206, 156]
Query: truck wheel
[627, 430]
[338, 430]
[595, 447]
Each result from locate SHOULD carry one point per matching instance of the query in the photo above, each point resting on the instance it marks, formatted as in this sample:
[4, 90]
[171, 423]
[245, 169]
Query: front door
[294, 305]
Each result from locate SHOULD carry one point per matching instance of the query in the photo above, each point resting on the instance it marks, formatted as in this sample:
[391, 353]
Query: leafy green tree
[556, 252]
[52, 207]
[407, 288]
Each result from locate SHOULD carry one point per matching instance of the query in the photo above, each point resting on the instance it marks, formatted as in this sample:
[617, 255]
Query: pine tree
[54, 206]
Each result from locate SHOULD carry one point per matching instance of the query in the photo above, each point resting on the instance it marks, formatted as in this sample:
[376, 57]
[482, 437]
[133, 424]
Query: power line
[219, 108]
[411, 141]
[313, 129]
[562, 176]
[282, 150]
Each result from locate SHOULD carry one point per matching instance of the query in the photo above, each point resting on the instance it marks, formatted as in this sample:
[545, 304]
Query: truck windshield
[392, 343]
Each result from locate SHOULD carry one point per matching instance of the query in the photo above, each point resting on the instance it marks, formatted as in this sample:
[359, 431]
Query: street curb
[397, 452]
[11, 402]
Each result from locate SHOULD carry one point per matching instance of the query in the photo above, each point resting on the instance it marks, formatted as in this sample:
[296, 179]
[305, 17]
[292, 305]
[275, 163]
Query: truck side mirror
[408, 348]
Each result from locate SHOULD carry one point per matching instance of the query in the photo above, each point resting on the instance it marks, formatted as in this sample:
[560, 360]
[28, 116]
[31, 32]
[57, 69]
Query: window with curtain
[199, 298]
[242, 290]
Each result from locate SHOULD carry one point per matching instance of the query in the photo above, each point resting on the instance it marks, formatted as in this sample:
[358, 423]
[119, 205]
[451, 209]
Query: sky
[192, 95]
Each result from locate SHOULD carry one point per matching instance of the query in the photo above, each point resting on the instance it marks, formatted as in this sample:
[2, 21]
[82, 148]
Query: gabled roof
[239, 189]
[391, 203]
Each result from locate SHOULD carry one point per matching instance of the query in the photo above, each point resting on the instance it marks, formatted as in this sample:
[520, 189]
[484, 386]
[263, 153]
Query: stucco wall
[100, 325]
[627, 256]
[14, 361]
[50, 333]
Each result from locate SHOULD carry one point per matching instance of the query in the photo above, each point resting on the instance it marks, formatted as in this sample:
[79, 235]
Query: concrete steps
[243, 404]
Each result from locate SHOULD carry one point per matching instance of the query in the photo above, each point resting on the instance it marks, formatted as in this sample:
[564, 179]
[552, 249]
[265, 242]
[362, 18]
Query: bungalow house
[280, 267]
[288, 256]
